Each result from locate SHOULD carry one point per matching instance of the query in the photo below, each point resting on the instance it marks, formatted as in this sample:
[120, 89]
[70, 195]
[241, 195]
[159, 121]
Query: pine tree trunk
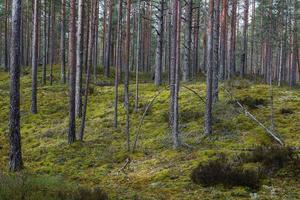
[94, 5]
[108, 41]
[253, 21]
[6, 49]
[72, 67]
[216, 51]
[138, 56]
[223, 39]
[175, 128]
[245, 39]
[44, 68]
[79, 59]
[15, 154]
[126, 80]
[62, 42]
[232, 67]
[210, 65]
[187, 42]
[118, 61]
[159, 48]
[34, 58]
[52, 29]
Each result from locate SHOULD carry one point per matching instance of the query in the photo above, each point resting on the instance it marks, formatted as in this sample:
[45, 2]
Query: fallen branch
[144, 115]
[251, 116]
[193, 91]
[127, 162]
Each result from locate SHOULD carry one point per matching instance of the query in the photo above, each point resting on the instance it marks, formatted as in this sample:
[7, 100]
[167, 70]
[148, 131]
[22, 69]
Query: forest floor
[156, 171]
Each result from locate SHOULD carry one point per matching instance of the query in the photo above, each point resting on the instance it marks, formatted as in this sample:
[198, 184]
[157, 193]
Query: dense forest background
[142, 99]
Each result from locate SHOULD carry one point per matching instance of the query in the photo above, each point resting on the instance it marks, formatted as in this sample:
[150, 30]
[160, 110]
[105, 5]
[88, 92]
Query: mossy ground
[156, 171]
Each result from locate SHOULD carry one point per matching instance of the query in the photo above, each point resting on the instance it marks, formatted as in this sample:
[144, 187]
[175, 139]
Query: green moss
[156, 171]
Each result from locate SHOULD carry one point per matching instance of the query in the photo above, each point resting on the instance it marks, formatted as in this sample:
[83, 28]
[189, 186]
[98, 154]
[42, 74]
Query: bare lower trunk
[187, 42]
[159, 48]
[94, 5]
[72, 66]
[15, 154]
[79, 59]
[216, 51]
[34, 58]
[126, 80]
[209, 77]
[62, 42]
[118, 62]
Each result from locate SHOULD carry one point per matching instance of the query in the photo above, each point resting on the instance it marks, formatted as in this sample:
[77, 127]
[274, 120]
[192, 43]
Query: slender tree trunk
[223, 39]
[245, 39]
[216, 51]
[175, 128]
[174, 87]
[15, 154]
[187, 42]
[253, 21]
[51, 55]
[95, 56]
[108, 41]
[118, 61]
[93, 18]
[44, 69]
[104, 31]
[126, 81]
[209, 77]
[34, 58]
[6, 50]
[196, 44]
[138, 56]
[62, 42]
[79, 59]
[232, 67]
[72, 67]
[159, 48]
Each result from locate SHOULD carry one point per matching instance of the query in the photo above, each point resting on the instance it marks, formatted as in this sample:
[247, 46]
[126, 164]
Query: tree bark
[174, 75]
[223, 39]
[15, 154]
[232, 67]
[118, 61]
[244, 57]
[210, 65]
[108, 41]
[6, 49]
[79, 59]
[44, 68]
[187, 42]
[34, 58]
[52, 30]
[62, 42]
[216, 51]
[93, 18]
[159, 47]
[126, 81]
[72, 67]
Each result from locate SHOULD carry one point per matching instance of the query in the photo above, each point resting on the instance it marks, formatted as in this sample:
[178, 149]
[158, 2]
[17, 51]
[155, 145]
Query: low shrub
[251, 103]
[273, 158]
[221, 171]
[286, 111]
